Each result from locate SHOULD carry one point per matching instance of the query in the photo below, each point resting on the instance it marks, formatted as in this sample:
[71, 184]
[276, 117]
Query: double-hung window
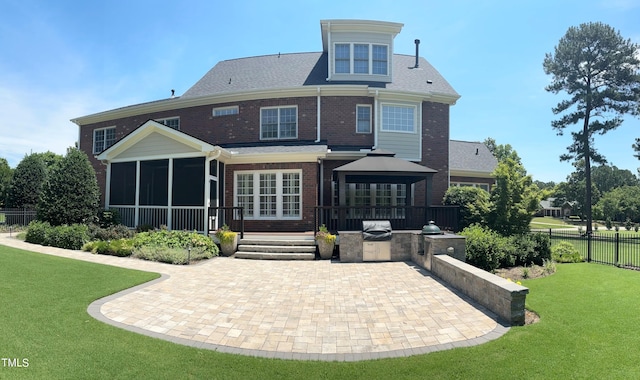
[361, 58]
[343, 58]
[269, 194]
[103, 138]
[363, 119]
[278, 123]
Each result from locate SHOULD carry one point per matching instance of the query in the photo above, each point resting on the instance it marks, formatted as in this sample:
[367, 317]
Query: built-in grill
[376, 240]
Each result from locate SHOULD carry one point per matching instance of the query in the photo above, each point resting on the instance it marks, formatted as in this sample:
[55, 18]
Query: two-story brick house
[281, 134]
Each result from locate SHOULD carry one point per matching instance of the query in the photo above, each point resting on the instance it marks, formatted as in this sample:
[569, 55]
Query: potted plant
[326, 242]
[228, 240]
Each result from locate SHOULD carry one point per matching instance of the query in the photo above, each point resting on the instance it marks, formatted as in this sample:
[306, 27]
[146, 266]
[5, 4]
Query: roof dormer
[359, 50]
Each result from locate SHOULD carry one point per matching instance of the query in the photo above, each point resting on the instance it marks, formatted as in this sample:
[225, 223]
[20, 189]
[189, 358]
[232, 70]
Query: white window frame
[279, 137]
[481, 185]
[384, 126]
[358, 106]
[104, 143]
[254, 214]
[352, 59]
[165, 120]
[225, 111]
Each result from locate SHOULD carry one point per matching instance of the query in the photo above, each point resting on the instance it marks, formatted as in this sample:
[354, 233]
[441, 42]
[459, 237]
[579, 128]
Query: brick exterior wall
[309, 196]
[435, 150]
[338, 129]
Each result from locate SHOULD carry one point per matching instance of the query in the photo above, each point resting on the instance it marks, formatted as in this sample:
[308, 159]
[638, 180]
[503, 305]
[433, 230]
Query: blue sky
[64, 59]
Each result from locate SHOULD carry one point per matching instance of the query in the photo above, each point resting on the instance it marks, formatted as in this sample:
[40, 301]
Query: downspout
[377, 123]
[329, 54]
[318, 117]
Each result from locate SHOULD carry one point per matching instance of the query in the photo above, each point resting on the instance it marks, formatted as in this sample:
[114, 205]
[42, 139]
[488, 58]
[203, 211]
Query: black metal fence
[347, 218]
[16, 216]
[620, 248]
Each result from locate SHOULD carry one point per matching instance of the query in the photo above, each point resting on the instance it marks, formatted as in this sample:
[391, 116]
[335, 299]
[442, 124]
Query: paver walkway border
[412, 331]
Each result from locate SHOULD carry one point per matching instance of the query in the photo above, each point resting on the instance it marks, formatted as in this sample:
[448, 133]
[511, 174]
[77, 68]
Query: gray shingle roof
[471, 156]
[309, 69]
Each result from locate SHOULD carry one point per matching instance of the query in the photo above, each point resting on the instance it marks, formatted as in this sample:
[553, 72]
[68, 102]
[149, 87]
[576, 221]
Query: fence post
[617, 248]
[589, 233]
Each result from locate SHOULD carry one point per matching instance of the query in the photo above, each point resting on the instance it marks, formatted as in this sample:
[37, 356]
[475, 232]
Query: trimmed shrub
[37, 232]
[565, 252]
[531, 249]
[108, 218]
[112, 232]
[171, 255]
[176, 239]
[488, 250]
[67, 237]
[485, 248]
[120, 247]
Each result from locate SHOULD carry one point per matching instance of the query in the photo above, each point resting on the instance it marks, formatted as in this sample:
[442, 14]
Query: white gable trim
[147, 129]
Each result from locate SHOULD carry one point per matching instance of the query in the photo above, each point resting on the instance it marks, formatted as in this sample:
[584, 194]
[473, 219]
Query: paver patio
[318, 310]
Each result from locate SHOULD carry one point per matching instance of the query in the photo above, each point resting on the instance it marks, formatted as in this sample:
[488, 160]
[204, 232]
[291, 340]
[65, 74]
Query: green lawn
[548, 222]
[588, 329]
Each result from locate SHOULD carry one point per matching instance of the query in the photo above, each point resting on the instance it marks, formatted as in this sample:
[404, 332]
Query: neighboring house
[471, 164]
[279, 135]
[549, 207]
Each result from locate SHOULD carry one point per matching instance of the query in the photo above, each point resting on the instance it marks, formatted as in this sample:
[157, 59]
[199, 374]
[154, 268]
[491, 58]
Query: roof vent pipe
[417, 48]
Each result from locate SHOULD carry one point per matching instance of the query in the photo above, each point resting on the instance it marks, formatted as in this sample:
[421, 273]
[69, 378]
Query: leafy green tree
[473, 202]
[514, 200]
[574, 191]
[620, 204]
[50, 159]
[599, 71]
[545, 185]
[5, 181]
[502, 151]
[607, 178]
[27, 182]
[71, 195]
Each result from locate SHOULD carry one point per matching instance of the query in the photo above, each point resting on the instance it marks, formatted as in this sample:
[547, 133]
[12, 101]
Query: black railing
[619, 248]
[347, 218]
[233, 217]
[16, 216]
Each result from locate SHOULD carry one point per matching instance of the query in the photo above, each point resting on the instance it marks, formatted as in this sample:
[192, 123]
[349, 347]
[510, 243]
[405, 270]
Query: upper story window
[360, 58]
[279, 123]
[343, 58]
[223, 111]
[363, 118]
[398, 118]
[103, 138]
[171, 122]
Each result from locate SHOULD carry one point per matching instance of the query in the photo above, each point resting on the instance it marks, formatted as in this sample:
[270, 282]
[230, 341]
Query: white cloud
[37, 120]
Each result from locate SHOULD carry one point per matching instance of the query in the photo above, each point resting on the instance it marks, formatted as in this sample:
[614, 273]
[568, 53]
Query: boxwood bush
[565, 252]
[64, 236]
[488, 250]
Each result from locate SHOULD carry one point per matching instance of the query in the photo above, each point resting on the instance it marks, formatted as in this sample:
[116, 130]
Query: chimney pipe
[417, 54]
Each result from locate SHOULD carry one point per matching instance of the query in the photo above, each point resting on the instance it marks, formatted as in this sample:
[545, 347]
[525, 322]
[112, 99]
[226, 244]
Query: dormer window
[356, 58]
[359, 50]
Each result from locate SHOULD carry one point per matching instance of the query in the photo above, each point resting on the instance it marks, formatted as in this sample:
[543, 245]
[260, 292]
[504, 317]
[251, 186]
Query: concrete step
[275, 255]
[277, 242]
[277, 248]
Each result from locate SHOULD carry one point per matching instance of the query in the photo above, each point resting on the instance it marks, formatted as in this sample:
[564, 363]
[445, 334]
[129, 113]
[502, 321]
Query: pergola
[383, 167]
